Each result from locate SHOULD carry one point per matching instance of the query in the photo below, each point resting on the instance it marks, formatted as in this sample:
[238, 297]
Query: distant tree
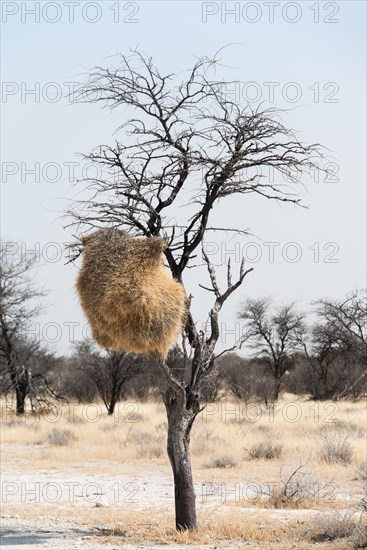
[336, 348]
[245, 379]
[17, 309]
[325, 371]
[43, 368]
[273, 335]
[347, 320]
[148, 383]
[73, 382]
[109, 371]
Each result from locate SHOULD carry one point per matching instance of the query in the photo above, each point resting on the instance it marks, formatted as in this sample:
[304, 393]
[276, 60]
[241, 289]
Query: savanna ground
[79, 478]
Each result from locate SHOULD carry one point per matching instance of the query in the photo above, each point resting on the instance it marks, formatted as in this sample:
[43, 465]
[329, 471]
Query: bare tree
[274, 336]
[185, 145]
[246, 379]
[336, 347]
[73, 381]
[325, 361]
[109, 372]
[42, 370]
[17, 309]
[348, 319]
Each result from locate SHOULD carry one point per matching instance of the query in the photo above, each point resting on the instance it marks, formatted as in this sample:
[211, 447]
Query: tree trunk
[18, 375]
[112, 404]
[115, 394]
[181, 414]
[21, 395]
[111, 409]
[20, 384]
[276, 388]
[324, 381]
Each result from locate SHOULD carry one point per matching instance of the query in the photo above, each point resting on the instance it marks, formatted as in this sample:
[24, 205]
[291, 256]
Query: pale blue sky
[325, 60]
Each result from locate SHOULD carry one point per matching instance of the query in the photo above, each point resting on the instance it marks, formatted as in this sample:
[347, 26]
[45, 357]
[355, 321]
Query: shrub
[135, 417]
[148, 445]
[359, 537]
[61, 438]
[265, 449]
[222, 462]
[295, 487]
[336, 448]
[109, 427]
[349, 428]
[328, 527]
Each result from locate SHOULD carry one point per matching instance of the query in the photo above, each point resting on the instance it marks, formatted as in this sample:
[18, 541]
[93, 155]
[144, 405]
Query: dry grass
[336, 447]
[339, 526]
[61, 438]
[266, 449]
[255, 530]
[359, 537]
[334, 526]
[148, 445]
[223, 461]
[132, 444]
[361, 471]
[227, 426]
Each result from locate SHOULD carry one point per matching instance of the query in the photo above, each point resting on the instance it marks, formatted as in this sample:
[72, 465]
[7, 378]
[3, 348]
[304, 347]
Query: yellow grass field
[78, 477]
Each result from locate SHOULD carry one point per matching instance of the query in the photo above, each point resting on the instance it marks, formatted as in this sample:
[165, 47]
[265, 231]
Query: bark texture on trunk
[20, 396]
[181, 413]
[20, 384]
[276, 389]
[111, 406]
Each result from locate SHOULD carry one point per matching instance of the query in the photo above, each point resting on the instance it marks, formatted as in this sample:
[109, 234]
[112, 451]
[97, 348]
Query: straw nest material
[130, 301]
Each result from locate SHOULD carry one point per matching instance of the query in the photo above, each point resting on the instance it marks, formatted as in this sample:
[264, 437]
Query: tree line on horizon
[325, 359]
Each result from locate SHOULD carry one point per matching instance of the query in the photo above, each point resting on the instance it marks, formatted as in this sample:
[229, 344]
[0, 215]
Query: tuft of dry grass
[148, 445]
[296, 488]
[336, 448]
[349, 428]
[266, 450]
[359, 537]
[61, 438]
[329, 527]
[223, 461]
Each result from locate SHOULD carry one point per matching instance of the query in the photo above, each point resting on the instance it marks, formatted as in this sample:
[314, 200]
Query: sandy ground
[76, 489]
[101, 492]
[86, 493]
[61, 535]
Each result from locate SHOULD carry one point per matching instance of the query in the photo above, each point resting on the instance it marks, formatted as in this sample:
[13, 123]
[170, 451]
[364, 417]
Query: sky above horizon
[307, 57]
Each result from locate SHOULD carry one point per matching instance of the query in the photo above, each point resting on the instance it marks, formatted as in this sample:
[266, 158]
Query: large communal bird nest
[130, 301]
